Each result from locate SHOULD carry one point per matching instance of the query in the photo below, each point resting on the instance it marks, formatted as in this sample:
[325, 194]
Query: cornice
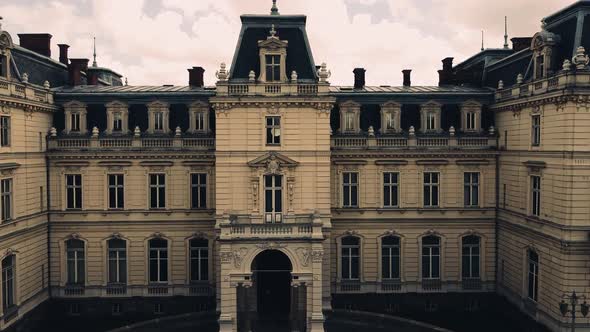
[412, 155]
[223, 105]
[27, 105]
[517, 105]
[190, 157]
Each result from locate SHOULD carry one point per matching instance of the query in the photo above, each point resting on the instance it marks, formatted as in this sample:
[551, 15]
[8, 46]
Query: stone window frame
[273, 46]
[362, 241]
[194, 110]
[158, 107]
[16, 290]
[402, 248]
[479, 188]
[442, 244]
[82, 186]
[71, 108]
[167, 189]
[439, 186]
[6, 126]
[107, 174]
[146, 244]
[525, 281]
[210, 263]
[10, 196]
[536, 130]
[482, 253]
[64, 258]
[393, 110]
[358, 188]
[6, 51]
[473, 108]
[117, 107]
[207, 191]
[105, 257]
[434, 108]
[266, 127]
[353, 109]
[399, 188]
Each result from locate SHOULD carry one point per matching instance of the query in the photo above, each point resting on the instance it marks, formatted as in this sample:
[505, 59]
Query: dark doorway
[272, 276]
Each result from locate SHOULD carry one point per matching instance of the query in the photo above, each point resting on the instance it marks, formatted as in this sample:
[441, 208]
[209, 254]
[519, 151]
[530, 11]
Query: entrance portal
[271, 270]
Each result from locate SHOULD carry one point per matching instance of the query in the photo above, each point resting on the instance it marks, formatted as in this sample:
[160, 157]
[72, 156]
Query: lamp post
[573, 299]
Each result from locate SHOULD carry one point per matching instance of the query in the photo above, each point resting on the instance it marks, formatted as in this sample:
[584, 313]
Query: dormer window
[199, 121]
[198, 113]
[75, 122]
[349, 121]
[430, 117]
[273, 68]
[540, 69]
[117, 121]
[543, 47]
[158, 121]
[430, 121]
[470, 125]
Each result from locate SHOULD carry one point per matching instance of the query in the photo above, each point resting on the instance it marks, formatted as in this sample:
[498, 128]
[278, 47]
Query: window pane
[354, 268]
[353, 196]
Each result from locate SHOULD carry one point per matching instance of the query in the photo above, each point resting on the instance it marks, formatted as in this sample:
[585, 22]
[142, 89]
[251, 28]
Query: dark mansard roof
[290, 28]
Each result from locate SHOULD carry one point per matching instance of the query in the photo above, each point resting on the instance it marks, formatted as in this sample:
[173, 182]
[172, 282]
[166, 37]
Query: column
[227, 290]
[314, 295]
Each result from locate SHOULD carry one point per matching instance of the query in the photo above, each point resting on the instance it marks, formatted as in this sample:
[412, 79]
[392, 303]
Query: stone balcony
[101, 143]
[414, 142]
[561, 80]
[226, 88]
[26, 91]
[253, 228]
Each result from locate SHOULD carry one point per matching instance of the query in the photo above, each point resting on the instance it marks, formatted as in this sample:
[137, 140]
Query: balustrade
[25, 91]
[128, 142]
[267, 230]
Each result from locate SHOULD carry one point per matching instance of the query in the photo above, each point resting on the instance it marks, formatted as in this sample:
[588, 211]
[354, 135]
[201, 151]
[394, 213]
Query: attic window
[3, 66]
[273, 68]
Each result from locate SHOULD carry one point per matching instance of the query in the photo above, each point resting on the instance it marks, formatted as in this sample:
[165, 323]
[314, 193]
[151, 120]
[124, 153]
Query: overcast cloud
[153, 42]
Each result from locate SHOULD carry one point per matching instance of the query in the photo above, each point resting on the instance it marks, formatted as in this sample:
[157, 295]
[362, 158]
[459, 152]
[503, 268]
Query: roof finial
[273, 32]
[126, 82]
[94, 62]
[1, 18]
[506, 32]
[482, 40]
[274, 10]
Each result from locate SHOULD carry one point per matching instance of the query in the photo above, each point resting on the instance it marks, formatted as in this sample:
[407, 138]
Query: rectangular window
[198, 191]
[273, 68]
[157, 191]
[273, 130]
[389, 121]
[470, 120]
[431, 192]
[533, 275]
[430, 121]
[536, 195]
[349, 189]
[6, 197]
[4, 131]
[471, 189]
[540, 66]
[117, 255]
[158, 261]
[390, 190]
[74, 191]
[536, 130]
[75, 122]
[431, 257]
[8, 284]
[390, 257]
[117, 121]
[200, 121]
[75, 262]
[273, 198]
[349, 121]
[470, 257]
[350, 255]
[199, 259]
[158, 121]
[116, 191]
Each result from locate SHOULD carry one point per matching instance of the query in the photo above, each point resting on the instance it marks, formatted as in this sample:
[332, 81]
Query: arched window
[470, 265]
[76, 271]
[199, 260]
[158, 261]
[431, 257]
[8, 282]
[350, 258]
[390, 257]
[117, 256]
[533, 275]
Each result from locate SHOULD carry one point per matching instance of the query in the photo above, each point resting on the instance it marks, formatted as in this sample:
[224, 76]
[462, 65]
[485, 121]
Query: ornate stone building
[275, 193]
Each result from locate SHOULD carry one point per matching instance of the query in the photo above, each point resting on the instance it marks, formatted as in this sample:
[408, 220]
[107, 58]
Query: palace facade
[274, 192]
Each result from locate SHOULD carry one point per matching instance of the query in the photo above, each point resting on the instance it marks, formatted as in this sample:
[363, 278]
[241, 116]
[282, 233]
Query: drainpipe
[47, 209]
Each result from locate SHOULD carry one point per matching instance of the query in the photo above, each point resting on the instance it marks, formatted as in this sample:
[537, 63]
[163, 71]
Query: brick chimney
[63, 53]
[407, 77]
[359, 78]
[92, 77]
[75, 68]
[195, 77]
[445, 76]
[521, 43]
[36, 42]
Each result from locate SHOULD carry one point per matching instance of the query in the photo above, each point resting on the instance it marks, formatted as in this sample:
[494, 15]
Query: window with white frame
[273, 130]
[536, 195]
[199, 121]
[540, 66]
[76, 268]
[471, 189]
[470, 121]
[159, 121]
[158, 261]
[350, 258]
[389, 121]
[6, 199]
[390, 189]
[431, 189]
[4, 131]
[117, 257]
[273, 68]
[199, 260]
[157, 191]
[470, 264]
[198, 191]
[117, 121]
[8, 283]
[430, 257]
[390, 257]
[430, 121]
[533, 275]
[273, 198]
[73, 191]
[349, 122]
[536, 130]
[350, 189]
[116, 188]
[75, 122]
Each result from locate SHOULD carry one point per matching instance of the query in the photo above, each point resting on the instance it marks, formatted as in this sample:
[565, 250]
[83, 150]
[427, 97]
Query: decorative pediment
[431, 104]
[350, 104]
[273, 162]
[157, 104]
[391, 105]
[198, 105]
[5, 40]
[544, 38]
[74, 104]
[471, 104]
[272, 41]
[116, 104]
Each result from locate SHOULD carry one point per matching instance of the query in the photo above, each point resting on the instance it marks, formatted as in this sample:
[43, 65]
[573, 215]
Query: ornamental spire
[274, 10]
[94, 62]
[1, 18]
[482, 40]
[505, 32]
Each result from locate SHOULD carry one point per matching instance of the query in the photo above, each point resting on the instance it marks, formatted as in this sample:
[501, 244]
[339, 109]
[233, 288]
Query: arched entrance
[271, 271]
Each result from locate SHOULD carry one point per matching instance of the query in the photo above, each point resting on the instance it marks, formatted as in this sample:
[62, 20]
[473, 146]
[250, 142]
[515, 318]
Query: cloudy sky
[153, 42]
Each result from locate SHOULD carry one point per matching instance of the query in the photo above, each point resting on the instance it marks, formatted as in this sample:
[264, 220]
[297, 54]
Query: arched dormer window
[5, 46]
[273, 58]
[543, 45]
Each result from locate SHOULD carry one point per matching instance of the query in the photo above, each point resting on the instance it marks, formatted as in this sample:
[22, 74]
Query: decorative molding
[432, 162]
[468, 162]
[391, 162]
[270, 245]
[273, 162]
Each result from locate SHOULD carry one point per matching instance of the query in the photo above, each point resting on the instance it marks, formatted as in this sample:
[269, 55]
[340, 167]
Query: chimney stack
[75, 68]
[445, 76]
[359, 78]
[407, 77]
[195, 77]
[92, 77]
[63, 53]
[36, 42]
